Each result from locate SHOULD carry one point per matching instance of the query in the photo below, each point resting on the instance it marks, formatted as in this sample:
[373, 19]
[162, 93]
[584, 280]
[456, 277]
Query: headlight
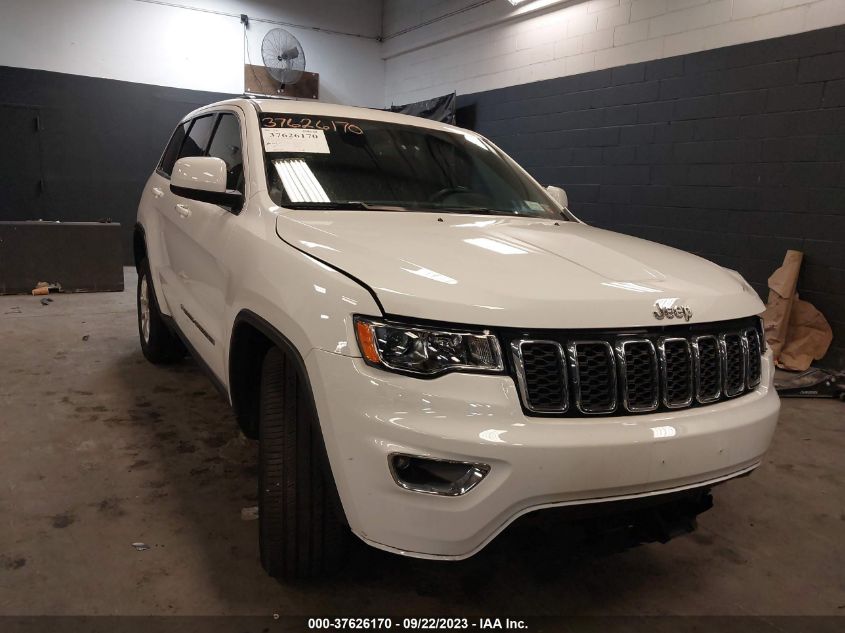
[426, 351]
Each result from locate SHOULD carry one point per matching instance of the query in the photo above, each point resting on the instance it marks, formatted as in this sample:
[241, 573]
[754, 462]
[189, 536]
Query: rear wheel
[302, 531]
[159, 344]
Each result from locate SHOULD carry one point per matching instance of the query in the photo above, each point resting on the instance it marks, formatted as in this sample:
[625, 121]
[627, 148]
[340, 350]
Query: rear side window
[171, 152]
[226, 145]
[197, 138]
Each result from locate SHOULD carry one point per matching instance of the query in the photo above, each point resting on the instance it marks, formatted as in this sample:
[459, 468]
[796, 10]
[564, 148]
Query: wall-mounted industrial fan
[283, 56]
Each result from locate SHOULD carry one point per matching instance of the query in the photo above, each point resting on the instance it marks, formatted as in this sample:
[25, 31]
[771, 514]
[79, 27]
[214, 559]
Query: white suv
[428, 344]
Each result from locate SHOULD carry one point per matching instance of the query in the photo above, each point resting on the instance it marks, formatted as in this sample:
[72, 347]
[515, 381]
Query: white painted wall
[481, 48]
[170, 46]
[496, 45]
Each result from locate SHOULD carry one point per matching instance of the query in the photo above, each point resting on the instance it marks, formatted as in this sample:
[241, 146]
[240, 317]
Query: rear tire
[302, 531]
[160, 345]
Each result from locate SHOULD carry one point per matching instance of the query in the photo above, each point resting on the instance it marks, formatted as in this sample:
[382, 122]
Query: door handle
[158, 193]
[183, 210]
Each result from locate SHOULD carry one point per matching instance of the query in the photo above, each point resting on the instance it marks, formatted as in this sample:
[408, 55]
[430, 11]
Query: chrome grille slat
[548, 391]
[755, 364]
[637, 360]
[593, 376]
[708, 368]
[734, 363]
[638, 371]
[677, 374]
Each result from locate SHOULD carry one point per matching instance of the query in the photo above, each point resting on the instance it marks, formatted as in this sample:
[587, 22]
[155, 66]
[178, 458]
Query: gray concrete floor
[101, 449]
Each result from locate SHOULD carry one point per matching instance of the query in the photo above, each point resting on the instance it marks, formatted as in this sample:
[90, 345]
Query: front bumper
[367, 414]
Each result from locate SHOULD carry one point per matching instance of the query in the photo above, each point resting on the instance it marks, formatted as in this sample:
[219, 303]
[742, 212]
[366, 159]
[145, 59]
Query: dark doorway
[21, 184]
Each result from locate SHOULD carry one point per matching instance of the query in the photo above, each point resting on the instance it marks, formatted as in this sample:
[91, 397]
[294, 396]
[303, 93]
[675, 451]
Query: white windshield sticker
[292, 140]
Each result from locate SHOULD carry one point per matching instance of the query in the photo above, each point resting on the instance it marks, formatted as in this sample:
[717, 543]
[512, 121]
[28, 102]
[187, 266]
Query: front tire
[160, 345]
[302, 532]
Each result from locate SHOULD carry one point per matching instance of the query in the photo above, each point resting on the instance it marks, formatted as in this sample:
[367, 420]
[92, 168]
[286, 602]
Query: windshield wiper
[357, 205]
[473, 210]
[488, 211]
[353, 205]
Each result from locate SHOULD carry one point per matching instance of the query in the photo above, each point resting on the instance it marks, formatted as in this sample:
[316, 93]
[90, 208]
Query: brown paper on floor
[808, 338]
[782, 285]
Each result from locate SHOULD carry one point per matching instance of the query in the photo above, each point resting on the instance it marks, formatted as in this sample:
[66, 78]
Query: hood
[515, 272]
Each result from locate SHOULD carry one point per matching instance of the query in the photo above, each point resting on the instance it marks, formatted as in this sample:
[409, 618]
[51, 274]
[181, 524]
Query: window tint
[197, 138]
[171, 153]
[226, 145]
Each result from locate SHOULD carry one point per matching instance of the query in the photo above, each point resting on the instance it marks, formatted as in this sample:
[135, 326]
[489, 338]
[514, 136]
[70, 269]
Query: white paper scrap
[290, 140]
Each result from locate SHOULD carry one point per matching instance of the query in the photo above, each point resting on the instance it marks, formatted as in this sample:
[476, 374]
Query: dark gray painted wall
[99, 141]
[736, 154]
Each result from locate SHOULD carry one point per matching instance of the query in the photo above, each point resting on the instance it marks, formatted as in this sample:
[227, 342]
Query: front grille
[636, 371]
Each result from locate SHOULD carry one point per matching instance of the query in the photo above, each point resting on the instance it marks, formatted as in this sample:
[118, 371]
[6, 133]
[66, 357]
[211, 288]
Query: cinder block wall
[433, 48]
[736, 154]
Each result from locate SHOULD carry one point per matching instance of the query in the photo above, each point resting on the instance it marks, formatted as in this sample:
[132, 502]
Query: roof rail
[253, 95]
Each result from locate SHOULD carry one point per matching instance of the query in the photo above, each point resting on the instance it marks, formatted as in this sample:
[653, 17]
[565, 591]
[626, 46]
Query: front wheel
[302, 532]
[158, 343]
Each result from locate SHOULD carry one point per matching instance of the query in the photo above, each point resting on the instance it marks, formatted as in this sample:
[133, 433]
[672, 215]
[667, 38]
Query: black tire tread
[301, 534]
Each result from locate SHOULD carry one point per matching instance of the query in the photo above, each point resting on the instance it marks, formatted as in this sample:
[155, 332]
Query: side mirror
[203, 178]
[558, 195]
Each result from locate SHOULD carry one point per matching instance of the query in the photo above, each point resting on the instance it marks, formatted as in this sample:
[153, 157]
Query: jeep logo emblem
[678, 312]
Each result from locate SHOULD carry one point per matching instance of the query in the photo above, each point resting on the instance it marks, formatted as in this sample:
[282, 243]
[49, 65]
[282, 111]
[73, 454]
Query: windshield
[328, 163]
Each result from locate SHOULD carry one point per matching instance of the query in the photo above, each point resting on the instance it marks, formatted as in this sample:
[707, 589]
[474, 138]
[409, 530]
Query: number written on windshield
[333, 125]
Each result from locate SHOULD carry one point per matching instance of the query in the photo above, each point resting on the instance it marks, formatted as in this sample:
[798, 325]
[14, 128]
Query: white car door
[175, 217]
[203, 231]
[157, 202]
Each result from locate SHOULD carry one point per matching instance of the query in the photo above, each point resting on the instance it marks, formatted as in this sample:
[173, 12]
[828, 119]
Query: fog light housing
[436, 476]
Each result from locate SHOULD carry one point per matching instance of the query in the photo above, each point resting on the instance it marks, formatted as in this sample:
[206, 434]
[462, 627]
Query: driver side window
[226, 145]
